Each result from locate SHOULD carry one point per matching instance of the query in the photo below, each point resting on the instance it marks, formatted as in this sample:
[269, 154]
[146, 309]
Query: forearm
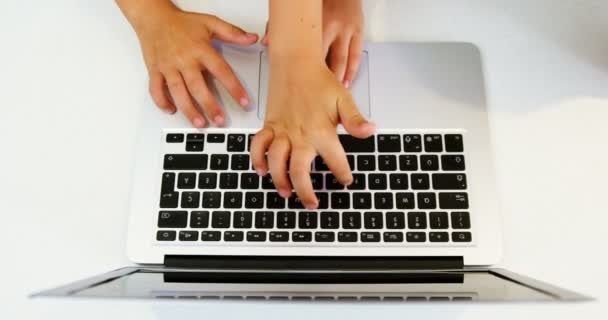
[296, 29]
[138, 12]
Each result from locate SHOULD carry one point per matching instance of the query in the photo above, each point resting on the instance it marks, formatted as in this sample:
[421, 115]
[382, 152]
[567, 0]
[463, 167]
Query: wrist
[142, 15]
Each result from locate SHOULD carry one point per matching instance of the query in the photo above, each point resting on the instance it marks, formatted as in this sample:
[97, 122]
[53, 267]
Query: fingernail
[244, 102]
[218, 120]
[198, 122]
[346, 84]
[168, 111]
[260, 172]
[284, 193]
[311, 206]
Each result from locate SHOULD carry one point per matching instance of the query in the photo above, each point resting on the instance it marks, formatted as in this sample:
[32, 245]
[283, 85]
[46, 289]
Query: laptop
[419, 223]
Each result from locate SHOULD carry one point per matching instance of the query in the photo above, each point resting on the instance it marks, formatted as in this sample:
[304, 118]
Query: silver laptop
[420, 222]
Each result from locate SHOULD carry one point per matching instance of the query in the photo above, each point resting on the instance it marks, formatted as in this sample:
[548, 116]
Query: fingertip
[198, 122]
[219, 121]
[284, 193]
[346, 84]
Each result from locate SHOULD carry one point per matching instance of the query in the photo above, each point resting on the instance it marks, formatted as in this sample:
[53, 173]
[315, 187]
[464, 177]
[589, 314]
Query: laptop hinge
[313, 263]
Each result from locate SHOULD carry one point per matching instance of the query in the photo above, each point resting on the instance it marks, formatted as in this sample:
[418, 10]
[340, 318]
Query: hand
[177, 50]
[305, 105]
[342, 37]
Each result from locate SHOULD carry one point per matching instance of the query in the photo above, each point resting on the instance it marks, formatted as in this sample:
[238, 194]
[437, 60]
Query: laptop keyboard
[409, 189]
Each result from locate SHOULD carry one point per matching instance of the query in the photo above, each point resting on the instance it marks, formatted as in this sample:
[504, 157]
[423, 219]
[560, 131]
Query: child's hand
[342, 37]
[177, 50]
[305, 105]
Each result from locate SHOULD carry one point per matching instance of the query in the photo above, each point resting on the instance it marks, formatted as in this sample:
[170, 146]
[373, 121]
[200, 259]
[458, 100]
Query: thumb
[352, 120]
[265, 37]
[230, 33]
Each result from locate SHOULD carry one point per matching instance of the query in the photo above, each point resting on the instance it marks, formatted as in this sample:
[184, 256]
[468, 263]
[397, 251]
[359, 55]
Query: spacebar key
[354, 145]
[185, 162]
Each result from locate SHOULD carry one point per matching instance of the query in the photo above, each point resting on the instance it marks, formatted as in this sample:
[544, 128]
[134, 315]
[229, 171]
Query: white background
[72, 80]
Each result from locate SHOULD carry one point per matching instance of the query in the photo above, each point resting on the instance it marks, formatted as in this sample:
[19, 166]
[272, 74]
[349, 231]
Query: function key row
[385, 142]
[313, 220]
[307, 236]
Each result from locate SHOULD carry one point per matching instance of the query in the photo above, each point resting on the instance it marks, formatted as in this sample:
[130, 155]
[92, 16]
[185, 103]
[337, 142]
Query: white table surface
[72, 80]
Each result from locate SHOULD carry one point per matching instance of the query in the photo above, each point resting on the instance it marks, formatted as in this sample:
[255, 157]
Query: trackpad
[359, 88]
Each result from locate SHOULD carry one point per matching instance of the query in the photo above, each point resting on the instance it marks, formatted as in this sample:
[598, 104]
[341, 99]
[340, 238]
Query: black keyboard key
[220, 219]
[449, 181]
[340, 200]
[211, 236]
[301, 236]
[166, 235]
[461, 236]
[279, 236]
[351, 161]
[453, 143]
[415, 236]
[427, 200]
[256, 236]
[322, 236]
[211, 199]
[355, 145]
[175, 137]
[199, 219]
[233, 200]
[286, 220]
[351, 220]
[254, 200]
[451, 162]
[347, 236]
[331, 183]
[439, 237]
[216, 138]
[389, 143]
[264, 220]
[236, 143]
[239, 162]
[429, 163]
[383, 200]
[412, 143]
[188, 236]
[362, 200]
[358, 182]
[392, 237]
[387, 162]
[404, 200]
[169, 200]
[172, 219]
[274, 201]
[307, 220]
[219, 162]
[317, 181]
[242, 219]
[249, 139]
[233, 236]
[294, 202]
[320, 164]
[330, 220]
[229, 180]
[191, 200]
[186, 180]
[323, 198]
[195, 137]
[395, 220]
[185, 162]
[408, 162]
[250, 180]
[207, 180]
[416, 220]
[370, 236]
[377, 181]
[438, 220]
[420, 181]
[168, 182]
[366, 163]
[195, 146]
[433, 143]
[373, 220]
[267, 183]
[453, 200]
[460, 220]
[398, 181]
